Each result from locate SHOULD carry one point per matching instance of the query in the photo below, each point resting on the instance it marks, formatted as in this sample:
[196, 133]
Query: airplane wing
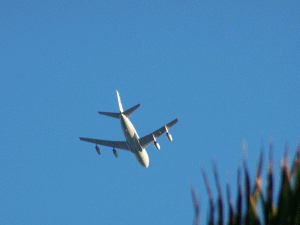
[114, 144]
[148, 139]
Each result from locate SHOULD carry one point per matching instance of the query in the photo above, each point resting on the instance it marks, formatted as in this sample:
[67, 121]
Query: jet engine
[169, 136]
[98, 150]
[115, 153]
[157, 146]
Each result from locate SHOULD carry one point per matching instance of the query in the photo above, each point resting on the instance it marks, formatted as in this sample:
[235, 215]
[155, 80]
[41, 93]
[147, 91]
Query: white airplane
[133, 143]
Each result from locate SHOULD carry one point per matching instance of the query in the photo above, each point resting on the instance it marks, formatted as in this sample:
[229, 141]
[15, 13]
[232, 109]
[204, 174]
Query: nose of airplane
[146, 163]
[144, 159]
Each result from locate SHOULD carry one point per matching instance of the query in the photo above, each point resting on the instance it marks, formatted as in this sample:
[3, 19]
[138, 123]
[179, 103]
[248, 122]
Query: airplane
[133, 142]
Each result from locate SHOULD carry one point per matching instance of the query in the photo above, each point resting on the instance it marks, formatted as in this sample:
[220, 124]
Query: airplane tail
[127, 113]
[119, 102]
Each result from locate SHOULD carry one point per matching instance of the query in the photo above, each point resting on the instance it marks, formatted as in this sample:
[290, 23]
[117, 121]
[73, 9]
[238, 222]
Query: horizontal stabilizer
[115, 115]
[131, 110]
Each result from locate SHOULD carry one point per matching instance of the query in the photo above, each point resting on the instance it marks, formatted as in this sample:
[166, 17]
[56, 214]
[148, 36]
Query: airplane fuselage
[132, 140]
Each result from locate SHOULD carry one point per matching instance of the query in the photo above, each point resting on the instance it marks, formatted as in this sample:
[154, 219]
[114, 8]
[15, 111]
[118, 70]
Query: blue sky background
[230, 71]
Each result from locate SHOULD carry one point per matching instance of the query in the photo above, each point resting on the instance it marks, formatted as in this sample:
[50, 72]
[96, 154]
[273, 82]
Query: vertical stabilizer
[120, 104]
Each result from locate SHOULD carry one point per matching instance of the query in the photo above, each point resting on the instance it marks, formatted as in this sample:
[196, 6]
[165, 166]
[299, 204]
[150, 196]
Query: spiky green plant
[287, 210]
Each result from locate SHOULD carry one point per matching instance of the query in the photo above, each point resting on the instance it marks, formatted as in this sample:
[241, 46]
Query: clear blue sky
[230, 71]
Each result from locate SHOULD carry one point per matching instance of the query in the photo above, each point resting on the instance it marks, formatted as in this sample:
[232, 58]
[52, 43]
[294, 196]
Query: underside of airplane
[133, 142]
